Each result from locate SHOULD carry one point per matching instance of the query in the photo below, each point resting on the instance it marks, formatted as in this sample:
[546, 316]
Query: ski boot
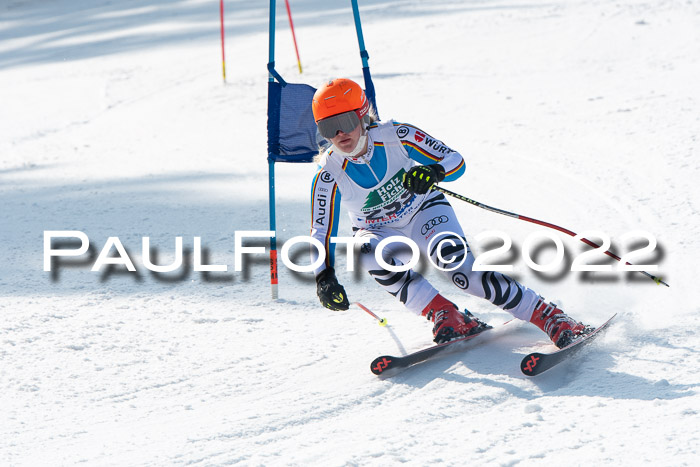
[450, 323]
[560, 328]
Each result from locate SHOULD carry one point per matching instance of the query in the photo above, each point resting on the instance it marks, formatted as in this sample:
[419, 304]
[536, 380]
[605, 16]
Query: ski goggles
[345, 122]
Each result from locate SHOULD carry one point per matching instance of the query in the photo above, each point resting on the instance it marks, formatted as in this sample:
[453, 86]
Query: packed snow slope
[115, 122]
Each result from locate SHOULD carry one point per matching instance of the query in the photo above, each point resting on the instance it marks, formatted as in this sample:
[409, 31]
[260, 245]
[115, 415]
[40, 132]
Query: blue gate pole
[271, 169]
[369, 86]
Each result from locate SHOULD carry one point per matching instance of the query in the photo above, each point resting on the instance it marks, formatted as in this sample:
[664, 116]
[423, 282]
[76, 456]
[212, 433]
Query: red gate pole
[294, 37]
[223, 53]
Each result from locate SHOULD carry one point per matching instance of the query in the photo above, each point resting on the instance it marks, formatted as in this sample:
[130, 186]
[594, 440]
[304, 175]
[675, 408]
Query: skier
[385, 173]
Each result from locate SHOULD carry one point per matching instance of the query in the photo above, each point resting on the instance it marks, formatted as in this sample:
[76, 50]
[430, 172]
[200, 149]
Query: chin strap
[361, 145]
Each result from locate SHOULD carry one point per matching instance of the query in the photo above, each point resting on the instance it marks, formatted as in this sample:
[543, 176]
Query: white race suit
[380, 207]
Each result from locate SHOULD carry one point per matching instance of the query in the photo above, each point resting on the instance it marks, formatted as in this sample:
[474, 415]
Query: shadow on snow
[48, 32]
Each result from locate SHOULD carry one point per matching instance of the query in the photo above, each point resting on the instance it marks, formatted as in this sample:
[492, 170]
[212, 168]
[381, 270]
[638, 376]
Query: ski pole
[382, 321]
[542, 223]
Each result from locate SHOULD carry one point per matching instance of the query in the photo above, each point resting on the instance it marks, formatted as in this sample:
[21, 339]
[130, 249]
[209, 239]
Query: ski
[387, 365]
[536, 363]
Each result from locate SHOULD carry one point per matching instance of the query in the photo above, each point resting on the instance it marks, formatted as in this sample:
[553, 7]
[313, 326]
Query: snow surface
[115, 122]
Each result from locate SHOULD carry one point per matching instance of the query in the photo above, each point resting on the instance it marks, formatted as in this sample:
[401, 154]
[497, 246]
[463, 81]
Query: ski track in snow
[115, 123]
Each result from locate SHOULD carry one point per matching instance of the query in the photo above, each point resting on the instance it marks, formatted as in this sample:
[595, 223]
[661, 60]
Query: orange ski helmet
[338, 96]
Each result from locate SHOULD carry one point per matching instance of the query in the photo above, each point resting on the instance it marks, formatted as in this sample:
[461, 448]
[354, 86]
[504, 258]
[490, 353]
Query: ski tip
[381, 364]
[529, 364]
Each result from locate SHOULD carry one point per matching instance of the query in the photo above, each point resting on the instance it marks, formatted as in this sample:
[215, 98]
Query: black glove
[331, 293]
[421, 178]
